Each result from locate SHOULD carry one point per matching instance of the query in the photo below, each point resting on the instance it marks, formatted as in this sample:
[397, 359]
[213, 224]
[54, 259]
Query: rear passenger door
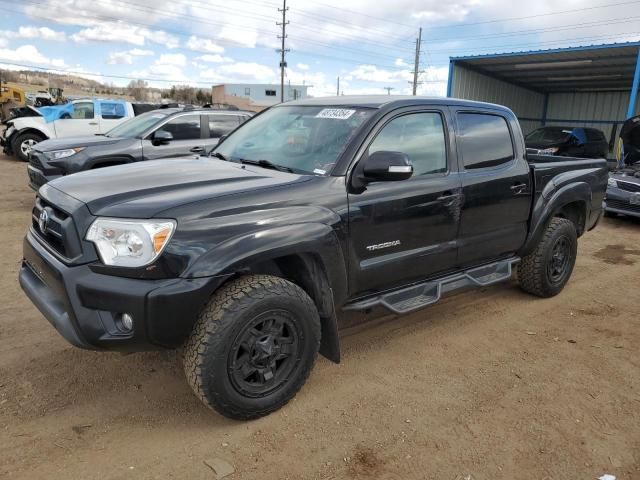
[187, 132]
[496, 186]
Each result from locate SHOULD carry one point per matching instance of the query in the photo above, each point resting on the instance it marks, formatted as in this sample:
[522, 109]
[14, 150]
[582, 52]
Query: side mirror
[161, 137]
[387, 166]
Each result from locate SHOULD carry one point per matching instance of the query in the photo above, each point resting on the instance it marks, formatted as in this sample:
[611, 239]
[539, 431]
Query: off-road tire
[223, 320]
[533, 271]
[17, 142]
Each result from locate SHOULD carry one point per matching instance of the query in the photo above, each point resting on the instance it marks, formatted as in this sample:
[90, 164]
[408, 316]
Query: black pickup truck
[247, 260]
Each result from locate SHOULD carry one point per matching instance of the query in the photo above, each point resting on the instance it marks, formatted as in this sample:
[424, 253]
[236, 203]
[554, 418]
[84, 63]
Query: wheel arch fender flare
[550, 204]
[315, 247]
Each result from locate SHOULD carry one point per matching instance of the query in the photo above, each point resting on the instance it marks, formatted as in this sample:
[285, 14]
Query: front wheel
[546, 270]
[24, 143]
[253, 346]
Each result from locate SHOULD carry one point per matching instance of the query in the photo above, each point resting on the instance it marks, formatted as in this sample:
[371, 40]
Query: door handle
[448, 198]
[518, 188]
[197, 150]
[93, 123]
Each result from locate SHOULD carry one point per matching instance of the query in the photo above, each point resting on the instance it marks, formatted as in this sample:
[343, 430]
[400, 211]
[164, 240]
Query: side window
[185, 127]
[270, 93]
[419, 135]
[485, 140]
[220, 125]
[82, 111]
[112, 111]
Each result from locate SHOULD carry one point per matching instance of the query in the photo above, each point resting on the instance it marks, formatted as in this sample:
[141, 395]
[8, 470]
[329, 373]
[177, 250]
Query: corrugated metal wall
[472, 85]
[567, 109]
[570, 108]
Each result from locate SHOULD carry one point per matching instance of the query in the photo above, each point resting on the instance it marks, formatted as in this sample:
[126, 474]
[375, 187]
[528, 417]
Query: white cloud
[136, 52]
[29, 54]
[121, 32]
[303, 66]
[28, 32]
[126, 57]
[175, 59]
[240, 72]
[214, 59]
[120, 58]
[372, 73]
[198, 44]
[400, 63]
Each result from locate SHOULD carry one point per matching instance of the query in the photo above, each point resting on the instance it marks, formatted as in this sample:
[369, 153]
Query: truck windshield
[303, 139]
[136, 126]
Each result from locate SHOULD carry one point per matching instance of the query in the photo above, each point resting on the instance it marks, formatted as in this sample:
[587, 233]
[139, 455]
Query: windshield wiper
[220, 156]
[266, 164]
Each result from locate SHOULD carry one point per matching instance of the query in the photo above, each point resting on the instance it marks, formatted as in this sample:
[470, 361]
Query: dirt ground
[490, 384]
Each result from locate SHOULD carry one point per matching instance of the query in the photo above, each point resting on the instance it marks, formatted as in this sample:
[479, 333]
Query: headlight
[130, 243]
[58, 154]
[548, 151]
[612, 182]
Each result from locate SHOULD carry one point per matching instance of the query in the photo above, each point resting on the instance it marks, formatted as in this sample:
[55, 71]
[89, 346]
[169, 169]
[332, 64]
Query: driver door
[81, 122]
[405, 231]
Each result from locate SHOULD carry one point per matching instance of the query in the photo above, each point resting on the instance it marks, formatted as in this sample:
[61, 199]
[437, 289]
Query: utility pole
[283, 50]
[338, 89]
[416, 63]
[388, 89]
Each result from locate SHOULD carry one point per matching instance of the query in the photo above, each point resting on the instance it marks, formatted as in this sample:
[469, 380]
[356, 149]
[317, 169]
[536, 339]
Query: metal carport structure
[593, 85]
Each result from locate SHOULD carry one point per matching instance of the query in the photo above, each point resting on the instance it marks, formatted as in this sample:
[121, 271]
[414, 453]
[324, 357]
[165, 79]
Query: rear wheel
[253, 346]
[546, 270]
[24, 143]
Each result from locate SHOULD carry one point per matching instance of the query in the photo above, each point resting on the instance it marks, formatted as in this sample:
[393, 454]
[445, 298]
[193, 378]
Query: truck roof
[379, 101]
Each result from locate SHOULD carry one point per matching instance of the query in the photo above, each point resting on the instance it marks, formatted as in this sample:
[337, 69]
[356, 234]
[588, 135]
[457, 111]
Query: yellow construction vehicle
[10, 97]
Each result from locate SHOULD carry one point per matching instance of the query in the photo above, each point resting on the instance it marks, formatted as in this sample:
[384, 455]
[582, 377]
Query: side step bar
[415, 297]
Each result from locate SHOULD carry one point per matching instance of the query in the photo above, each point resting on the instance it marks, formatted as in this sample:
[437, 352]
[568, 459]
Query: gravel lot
[489, 384]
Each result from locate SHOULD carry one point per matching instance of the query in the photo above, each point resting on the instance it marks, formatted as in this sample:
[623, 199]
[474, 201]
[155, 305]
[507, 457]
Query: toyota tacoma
[247, 260]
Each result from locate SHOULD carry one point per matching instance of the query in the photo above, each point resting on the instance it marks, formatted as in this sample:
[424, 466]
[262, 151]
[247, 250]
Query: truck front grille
[58, 231]
[628, 186]
[621, 205]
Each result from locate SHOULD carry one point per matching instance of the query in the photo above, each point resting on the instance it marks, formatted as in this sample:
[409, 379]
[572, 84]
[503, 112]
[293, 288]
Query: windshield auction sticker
[337, 113]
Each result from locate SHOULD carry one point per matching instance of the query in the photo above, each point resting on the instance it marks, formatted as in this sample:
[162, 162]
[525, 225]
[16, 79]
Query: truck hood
[72, 142]
[145, 189]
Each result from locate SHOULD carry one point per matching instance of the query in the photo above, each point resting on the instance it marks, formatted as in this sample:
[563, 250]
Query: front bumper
[39, 170]
[6, 140]
[618, 200]
[84, 306]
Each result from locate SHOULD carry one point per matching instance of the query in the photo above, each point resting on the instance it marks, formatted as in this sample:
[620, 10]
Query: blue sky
[370, 45]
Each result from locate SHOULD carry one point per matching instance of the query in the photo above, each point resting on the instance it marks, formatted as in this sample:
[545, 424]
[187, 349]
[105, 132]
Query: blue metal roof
[590, 67]
[549, 51]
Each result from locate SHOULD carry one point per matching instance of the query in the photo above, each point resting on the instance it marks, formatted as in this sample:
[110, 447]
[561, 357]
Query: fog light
[127, 321]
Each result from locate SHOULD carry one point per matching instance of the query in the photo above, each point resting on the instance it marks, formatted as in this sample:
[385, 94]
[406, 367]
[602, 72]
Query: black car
[162, 133]
[569, 142]
[246, 260]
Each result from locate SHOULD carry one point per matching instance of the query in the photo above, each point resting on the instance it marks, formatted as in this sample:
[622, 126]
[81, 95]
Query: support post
[450, 78]
[634, 89]
[545, 108]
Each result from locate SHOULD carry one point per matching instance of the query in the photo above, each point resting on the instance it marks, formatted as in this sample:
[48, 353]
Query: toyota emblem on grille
[43, 220]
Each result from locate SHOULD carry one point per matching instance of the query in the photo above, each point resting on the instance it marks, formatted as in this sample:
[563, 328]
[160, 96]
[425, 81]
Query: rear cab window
[112, 111]
[484, 140]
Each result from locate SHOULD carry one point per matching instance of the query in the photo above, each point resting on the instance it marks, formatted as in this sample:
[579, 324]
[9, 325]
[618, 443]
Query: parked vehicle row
[79, 117]
[161, 133]
[246, 259]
